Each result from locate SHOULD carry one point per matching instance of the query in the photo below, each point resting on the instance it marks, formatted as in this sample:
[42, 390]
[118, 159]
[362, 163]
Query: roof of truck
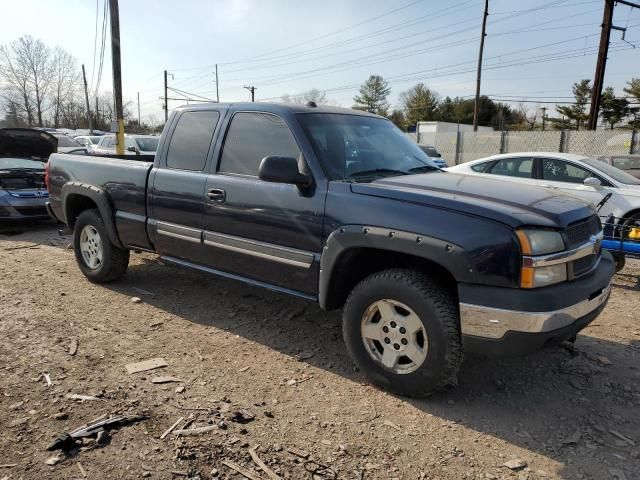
[278, 108]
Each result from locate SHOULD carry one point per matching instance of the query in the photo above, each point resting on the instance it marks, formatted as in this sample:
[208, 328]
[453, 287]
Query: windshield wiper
[374, 171]
[425, 168]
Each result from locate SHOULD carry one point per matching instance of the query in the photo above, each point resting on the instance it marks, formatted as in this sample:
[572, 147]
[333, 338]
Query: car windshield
[615, 173]
[626, 163]
[361, 148]
[147, 144]
[64, 141]
[20, 163]
[430, 151]
[94, 140]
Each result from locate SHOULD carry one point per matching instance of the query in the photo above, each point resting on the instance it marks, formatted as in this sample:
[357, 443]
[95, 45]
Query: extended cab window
[253, 136]
[513, 167]
[191, 139]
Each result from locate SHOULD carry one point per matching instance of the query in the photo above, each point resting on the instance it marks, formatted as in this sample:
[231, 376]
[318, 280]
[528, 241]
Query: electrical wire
[95, 42]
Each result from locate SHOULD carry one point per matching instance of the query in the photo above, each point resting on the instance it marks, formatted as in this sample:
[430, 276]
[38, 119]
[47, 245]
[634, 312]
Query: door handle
[216, 195]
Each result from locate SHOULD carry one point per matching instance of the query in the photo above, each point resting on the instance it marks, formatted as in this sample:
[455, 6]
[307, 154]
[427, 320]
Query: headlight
[539, 242]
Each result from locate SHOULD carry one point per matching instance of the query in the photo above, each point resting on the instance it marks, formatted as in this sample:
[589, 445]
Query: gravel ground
[271, 377]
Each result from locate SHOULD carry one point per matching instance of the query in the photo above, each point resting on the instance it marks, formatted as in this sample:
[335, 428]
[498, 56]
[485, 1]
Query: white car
[583, 177]
[88, 141]
[133, 144]
[67, 144]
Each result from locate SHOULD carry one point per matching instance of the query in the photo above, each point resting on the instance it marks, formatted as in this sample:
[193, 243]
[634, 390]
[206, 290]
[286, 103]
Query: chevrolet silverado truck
[339, 207]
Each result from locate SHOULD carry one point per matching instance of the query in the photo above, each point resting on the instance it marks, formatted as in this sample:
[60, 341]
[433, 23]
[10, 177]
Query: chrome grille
[580, 232]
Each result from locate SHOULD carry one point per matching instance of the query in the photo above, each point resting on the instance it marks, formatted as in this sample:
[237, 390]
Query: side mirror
[592, 182]
[131, 148]
[282, 170]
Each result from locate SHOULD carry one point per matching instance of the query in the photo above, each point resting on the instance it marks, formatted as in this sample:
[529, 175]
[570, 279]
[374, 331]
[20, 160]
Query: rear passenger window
[513, 167]
[253, 136]
[557, 170]
[191, 139]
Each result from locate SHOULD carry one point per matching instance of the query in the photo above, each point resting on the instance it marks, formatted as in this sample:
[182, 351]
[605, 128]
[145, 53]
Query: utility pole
[476, 106]
[252, 89]
[97, 113]
[217, 92]
[166, 105]
[117, 73]
[603, 51]
[86, 98]
[544, 116]
[139, 118]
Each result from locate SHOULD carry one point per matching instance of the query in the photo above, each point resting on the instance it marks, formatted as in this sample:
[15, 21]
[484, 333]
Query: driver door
[569, 178]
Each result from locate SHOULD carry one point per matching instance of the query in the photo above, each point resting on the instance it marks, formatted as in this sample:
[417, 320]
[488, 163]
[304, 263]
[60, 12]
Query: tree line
[41, 86]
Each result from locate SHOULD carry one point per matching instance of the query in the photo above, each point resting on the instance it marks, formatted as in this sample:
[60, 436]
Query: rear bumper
[539, 317]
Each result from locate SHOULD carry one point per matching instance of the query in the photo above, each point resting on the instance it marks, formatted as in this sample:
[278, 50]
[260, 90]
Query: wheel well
[358, 263]
[629, 214]
[75, 205]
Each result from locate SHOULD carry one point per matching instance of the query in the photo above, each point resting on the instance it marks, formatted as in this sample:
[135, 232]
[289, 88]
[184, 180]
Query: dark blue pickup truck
[340, 207]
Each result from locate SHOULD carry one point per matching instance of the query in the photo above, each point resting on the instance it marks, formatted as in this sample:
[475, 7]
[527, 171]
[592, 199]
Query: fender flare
[100, 198]
[445, 253]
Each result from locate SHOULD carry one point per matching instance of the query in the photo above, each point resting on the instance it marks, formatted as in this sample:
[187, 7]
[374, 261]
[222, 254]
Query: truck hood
[27, 143]
[506, 202]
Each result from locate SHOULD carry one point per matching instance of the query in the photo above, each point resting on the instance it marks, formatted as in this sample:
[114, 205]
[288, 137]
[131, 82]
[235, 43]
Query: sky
[534, 49]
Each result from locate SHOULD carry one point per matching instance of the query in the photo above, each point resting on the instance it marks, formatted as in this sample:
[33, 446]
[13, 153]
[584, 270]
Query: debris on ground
[68, 441]
[170, 429]
[242, 416]
[77, 396]
[146, 365]
[297, 452]
[136, 300]
[165, 379]
[195, 431]
[515, 464]
[73, 346]
[263, 466]
[47, 379]
[241, 470]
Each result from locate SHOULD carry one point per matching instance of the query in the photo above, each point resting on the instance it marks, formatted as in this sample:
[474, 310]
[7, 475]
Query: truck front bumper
[508, 322]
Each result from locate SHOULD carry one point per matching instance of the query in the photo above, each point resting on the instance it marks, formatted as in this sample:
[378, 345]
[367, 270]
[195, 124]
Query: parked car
[577, 175]
[88, 141]
[628, 163]
[426, 264]
[23, 153]
[133, 144]
[66, 143]
[433, 154]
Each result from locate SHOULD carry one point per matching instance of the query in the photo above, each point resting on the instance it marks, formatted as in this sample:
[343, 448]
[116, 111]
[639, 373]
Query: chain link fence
[460, 147]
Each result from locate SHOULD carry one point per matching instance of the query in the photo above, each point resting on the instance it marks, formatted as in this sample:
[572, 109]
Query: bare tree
[530, 117]
[14, 80]
[66, 82]
[35, 56]
[314, 95]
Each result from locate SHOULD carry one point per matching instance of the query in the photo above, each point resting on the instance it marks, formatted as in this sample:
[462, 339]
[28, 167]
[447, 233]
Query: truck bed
[123, 181]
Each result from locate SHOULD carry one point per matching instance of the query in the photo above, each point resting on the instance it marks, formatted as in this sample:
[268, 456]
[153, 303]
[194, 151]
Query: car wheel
[402, 330]
[99, 259]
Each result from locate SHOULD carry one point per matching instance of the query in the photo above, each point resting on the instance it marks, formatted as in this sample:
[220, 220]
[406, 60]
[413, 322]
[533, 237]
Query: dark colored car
[339, 207]
[628, 163]
[23, 153]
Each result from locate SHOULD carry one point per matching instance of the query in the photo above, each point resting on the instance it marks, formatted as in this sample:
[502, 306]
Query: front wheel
[402, 330]
[99, 259]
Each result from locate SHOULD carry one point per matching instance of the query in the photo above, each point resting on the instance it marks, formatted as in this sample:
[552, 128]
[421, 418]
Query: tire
[405, 295]
[619, 260]
[99, 259]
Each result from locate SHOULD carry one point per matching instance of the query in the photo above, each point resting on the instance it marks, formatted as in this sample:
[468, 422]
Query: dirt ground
[271, 377]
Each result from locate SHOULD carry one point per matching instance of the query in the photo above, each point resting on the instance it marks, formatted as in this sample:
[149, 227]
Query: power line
[102, 48]
[95, 41]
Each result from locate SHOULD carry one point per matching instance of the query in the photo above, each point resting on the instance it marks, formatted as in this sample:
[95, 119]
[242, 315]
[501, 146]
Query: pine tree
[576, 111]
[373, 96]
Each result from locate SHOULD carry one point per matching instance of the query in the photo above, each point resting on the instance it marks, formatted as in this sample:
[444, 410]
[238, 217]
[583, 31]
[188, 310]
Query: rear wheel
[402, 330]
[99, 259]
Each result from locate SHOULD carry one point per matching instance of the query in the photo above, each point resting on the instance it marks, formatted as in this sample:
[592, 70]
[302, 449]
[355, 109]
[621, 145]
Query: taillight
[47, 180]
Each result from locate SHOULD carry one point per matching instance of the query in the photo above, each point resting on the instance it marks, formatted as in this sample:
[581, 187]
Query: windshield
[64, 141]
[430, 151]
[360, 148]
[147, 144]
[94, 140]
[626, 163]
[12, 163]
[615, 173]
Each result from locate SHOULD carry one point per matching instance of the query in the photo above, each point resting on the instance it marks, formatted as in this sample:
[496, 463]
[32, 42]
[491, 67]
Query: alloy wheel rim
[91, 247]
[394, 336]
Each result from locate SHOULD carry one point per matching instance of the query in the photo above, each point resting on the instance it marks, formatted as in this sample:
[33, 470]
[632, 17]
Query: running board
[256, 283]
